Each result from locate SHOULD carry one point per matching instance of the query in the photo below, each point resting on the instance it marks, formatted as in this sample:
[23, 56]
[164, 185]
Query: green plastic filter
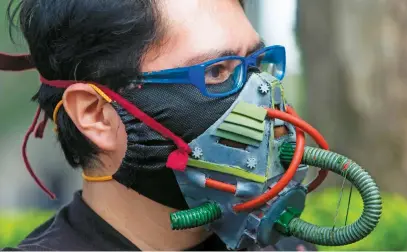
[245, 124]
[196, 217]
[363, 182]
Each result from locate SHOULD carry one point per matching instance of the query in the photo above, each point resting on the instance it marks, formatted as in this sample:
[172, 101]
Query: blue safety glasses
[212, 78]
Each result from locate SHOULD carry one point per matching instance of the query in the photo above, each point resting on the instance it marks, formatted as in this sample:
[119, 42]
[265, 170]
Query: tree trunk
[354, 61]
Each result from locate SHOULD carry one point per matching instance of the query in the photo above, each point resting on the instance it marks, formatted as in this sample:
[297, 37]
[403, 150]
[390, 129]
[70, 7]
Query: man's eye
[216, 74]
[215, 71]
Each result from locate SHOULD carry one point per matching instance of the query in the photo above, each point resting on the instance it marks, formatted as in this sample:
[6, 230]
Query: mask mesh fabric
[183, 110]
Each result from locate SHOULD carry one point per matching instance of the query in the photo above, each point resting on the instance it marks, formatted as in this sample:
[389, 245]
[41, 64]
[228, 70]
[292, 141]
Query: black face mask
[184, 111]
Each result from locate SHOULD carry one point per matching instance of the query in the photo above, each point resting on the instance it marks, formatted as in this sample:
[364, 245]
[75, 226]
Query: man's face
[200, 30]
[194, 31]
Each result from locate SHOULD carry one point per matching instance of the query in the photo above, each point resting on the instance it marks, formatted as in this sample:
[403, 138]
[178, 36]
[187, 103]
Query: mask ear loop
[54, 117]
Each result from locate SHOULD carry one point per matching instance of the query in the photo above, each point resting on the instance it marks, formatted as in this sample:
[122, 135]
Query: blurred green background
[345, 75]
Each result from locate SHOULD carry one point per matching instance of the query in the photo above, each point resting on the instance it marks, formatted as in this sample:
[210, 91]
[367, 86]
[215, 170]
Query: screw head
[251, 163]
[197, 153]
[264, 88]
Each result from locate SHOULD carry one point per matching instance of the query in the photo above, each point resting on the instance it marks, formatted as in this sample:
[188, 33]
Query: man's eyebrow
[217, 54]
[208, 56]
[258, 46]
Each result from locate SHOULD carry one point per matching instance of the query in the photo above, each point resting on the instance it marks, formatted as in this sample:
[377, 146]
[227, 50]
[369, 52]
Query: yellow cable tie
[101, 93]
[54, 115]
[96, 179]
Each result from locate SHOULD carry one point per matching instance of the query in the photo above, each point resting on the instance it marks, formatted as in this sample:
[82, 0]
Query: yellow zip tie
[101, 93]
[60, 103]
[96, 179]
[54, 115]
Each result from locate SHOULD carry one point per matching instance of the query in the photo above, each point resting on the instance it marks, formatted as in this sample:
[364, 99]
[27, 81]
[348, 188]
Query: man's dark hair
[89, 40]
[101, 41]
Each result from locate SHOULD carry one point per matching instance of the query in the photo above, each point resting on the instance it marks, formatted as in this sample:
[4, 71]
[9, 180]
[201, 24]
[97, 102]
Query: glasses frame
[195, 74]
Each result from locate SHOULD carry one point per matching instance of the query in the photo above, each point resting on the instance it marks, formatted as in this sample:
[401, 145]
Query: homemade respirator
[241, 181]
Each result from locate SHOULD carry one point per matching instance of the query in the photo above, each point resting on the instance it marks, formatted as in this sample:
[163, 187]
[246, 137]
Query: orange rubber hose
[322, 174]
[221, 186]
[283, 182]
[290, 117]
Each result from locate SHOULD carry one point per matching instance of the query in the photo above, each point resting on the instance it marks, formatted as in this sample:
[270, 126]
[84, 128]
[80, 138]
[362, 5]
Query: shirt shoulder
[54, 234]
[27, 248]
[75, 227]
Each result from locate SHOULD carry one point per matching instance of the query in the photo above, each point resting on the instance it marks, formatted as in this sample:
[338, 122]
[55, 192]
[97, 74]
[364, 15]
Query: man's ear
[92, 115]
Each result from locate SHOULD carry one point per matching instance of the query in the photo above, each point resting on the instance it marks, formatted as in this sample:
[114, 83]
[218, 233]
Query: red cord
[300, 125]
[317, 181]
[16, 62]
[39, 132]
[282, 183]
[292, 118]
[177, 160]
[27, 163]
[277, 188]
[322, 174]
[211, 183]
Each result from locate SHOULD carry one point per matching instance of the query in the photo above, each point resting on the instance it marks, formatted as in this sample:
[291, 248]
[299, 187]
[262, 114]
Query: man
[112, 42]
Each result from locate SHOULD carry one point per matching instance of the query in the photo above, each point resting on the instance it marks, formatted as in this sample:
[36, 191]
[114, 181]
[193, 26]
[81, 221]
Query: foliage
[320, 209]
[390, 234]
[15, 225]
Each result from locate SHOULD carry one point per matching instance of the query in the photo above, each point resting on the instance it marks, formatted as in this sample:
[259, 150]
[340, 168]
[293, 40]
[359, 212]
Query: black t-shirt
[76, 227]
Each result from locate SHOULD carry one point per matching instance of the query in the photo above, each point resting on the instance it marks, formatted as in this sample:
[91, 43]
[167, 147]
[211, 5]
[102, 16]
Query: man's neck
[142, 221]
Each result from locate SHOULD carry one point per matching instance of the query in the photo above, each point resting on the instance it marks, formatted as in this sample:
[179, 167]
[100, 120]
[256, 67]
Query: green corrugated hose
[195, 217]
[359, 178]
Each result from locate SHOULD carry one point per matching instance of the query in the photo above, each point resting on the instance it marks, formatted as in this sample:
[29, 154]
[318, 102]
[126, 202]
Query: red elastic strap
[25, 157]
[177, 160]
[18, 62]
[39, 132]
[61, 83]
[23, 62]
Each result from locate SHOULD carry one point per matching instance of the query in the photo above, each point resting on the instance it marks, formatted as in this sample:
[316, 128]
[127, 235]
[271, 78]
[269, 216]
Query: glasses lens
[224, 76]
[272, 63]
